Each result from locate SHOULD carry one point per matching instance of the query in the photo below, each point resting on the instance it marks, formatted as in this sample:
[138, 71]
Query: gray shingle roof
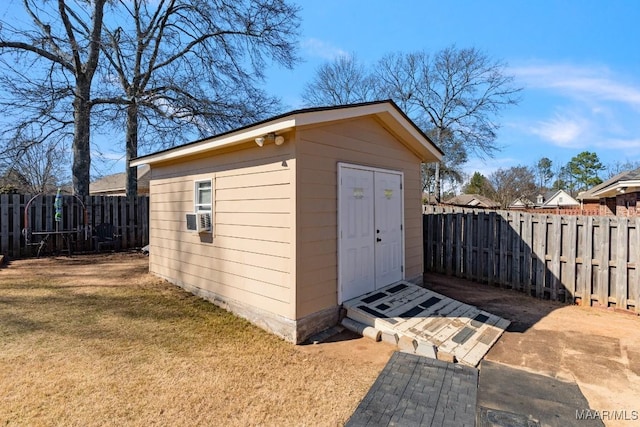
[632, 175]
[115, 183]
[473, 200]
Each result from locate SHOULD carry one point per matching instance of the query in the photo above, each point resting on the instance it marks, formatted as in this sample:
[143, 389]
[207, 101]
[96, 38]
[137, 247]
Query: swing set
[60, 236]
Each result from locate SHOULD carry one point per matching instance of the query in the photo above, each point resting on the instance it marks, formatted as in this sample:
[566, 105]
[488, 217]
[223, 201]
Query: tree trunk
[81, 139]
[132, 149]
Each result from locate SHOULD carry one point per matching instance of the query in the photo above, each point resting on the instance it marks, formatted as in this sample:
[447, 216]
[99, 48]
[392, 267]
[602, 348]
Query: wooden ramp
[451, 327]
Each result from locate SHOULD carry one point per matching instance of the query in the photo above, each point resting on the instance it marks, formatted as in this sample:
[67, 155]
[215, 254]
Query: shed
[296, 214]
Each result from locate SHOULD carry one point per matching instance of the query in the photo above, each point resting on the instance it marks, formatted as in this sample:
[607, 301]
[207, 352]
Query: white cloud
[562, 130]
[578, 132]
[580, 107]
[318, 48]
[584, 83]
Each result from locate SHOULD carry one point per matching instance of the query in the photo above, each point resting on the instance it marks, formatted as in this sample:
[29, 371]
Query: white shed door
[388, 220]
[357, 240]
[370, 235]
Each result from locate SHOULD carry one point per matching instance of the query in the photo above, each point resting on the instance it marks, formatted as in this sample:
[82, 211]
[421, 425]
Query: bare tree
[456, 94]
[192, 66]
[43, 165]
[171, 69]
[345, 80]
[618, 167]
[451, 168]
[509, 184]
[48, 72]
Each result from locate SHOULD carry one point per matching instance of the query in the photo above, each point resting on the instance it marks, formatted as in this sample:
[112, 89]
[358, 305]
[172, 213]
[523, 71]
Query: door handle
[378, 239]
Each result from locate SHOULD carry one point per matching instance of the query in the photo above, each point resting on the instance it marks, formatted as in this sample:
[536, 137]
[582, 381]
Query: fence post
[622, 285]
[17, 225]
[448, 248]
[503, 260]
[570, 266]
[426, 240]
[603, 261]
[634, 248]
[438, 241]
[459, 258]
[527, 255]
[587, 262]
[4, 223]
[554, 249]
[468, 244]
[516, 252]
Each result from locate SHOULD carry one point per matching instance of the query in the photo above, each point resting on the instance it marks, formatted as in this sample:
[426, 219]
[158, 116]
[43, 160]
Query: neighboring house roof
[473, 200]
[430, 199]
[13, 181]
[557, 198]
[521, 202]
[116, 183]
[625, 182]
[387, 112]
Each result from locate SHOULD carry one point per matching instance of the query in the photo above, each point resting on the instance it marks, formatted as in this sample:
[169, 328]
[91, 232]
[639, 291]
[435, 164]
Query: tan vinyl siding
[250, 257]
[361, 141]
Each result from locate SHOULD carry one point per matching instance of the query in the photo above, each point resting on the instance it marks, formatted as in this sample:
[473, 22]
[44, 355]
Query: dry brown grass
[96, 340]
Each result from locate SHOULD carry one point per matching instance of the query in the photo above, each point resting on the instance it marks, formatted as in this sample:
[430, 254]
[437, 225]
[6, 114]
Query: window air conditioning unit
[199, 222]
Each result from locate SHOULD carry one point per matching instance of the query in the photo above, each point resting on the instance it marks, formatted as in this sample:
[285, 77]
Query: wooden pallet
[454, 328]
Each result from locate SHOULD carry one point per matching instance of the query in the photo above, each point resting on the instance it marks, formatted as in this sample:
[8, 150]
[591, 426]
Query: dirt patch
[94, 340]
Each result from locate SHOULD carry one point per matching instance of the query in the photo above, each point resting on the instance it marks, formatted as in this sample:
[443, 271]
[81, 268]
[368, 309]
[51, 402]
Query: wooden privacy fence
[129, 216]
[591, 260]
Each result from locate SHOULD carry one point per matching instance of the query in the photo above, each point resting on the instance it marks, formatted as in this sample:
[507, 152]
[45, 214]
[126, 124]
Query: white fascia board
[384, 111]
[616, 186]
[217, 143]
[388, 114]
[315, 117]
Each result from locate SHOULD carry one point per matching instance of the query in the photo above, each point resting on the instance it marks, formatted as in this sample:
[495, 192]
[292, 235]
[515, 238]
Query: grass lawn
[96, 340]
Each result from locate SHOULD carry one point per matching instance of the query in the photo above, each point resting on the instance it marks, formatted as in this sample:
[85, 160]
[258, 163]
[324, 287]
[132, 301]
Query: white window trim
[196, 205]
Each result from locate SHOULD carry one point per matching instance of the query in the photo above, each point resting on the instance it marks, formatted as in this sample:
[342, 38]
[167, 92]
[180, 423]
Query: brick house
[619, 195]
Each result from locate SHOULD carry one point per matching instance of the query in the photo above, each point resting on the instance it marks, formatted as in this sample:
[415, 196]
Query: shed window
[203, 197]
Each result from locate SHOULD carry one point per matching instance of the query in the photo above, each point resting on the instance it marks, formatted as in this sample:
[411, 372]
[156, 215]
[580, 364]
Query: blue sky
[577, 60]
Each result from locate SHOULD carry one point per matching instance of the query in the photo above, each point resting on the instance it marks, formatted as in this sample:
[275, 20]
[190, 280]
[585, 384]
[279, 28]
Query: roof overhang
[392, 118]
[618, 188]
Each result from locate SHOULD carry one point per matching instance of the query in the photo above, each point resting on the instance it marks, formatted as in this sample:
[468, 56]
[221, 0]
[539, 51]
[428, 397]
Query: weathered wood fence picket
[583, 259]
[129, 216]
